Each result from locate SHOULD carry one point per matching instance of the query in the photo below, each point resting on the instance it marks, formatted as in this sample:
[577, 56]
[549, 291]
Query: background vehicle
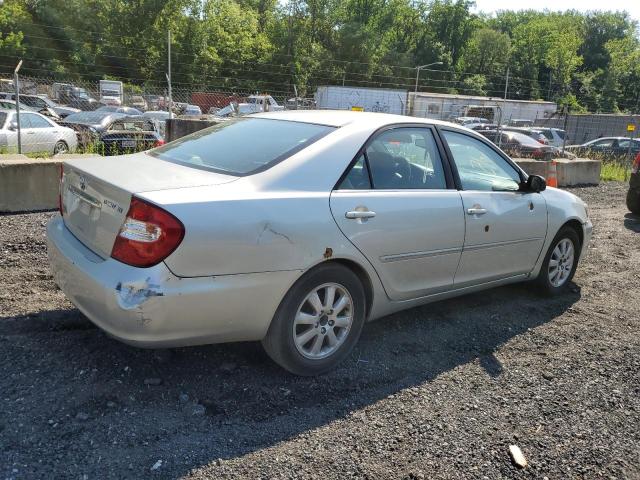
[607, 146]
[90, 125]
[534, 133]
[129, 135]
[518, 144]
[633, 195]
[322, 219]
[469, 122]
[483, 126]
[138, 102]
[38, 133]
[111, 92]
[11, 105]
[116, 109]
[42, 102]
[191, 110]
[160, 118]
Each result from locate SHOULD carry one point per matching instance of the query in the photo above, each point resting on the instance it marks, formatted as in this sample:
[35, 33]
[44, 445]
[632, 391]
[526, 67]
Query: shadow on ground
[632, 222]
[238, 400]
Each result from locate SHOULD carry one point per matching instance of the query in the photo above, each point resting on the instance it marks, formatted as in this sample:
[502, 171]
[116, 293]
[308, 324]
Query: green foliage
[584, 61]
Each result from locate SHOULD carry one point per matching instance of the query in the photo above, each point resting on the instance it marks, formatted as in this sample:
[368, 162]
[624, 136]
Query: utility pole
[504, 104]
[415, 90]
[16, 86]
[169, 73]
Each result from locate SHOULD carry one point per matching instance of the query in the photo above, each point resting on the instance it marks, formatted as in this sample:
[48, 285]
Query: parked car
[607, 147]
[129, 135]
[119, 109]
[296, 227]
[191, 110]
[555, 136]
[11, 105]
[534, 133]
[483, 126]
[470, 121]
[42, 102]
[633, 195]
[520, 145]
[38, 133]
[160, 117]
[138, 102]
[252, 104]
[520, 122]
[90, 125]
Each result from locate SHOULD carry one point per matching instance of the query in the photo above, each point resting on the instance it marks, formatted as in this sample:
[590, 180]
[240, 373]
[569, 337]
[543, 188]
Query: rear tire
[633, 201]
[560, 262]
[318, 322]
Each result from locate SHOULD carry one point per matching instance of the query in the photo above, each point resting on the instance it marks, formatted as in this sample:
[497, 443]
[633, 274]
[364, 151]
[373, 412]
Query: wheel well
[577, 226]
[362, 275]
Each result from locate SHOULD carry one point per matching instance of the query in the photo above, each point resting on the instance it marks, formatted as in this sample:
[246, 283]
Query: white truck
[362, 99]
[254, 104]
[111, 92]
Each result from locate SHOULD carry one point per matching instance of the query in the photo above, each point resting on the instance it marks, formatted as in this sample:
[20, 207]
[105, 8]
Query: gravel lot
[434, 392]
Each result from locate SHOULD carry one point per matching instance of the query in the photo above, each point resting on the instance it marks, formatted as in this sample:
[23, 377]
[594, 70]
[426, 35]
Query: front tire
[633, 201]
[318, 322]
[560, 262]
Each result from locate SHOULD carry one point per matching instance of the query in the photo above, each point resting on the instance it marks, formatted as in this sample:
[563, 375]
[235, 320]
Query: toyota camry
[296, 228]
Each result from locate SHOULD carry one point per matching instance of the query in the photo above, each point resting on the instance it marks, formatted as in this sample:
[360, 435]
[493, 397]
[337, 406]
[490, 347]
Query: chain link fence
[109, 117]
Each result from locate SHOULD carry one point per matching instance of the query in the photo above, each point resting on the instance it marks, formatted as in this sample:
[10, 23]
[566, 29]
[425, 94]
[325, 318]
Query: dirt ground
[439, 391]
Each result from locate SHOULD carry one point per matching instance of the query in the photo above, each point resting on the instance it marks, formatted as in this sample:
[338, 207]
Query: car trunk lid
[96, 192]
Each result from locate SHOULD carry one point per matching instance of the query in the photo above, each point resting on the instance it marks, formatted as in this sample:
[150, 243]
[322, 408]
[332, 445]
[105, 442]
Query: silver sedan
[295, 228]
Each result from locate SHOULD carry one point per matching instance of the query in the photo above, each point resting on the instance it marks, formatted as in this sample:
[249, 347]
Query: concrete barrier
[30, 183]
[580, 171]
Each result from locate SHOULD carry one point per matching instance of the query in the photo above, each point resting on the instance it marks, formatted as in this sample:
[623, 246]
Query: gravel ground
[439, 391]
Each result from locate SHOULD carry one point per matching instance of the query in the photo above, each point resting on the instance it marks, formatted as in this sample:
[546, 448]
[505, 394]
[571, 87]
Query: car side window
[37, 122]
[405, 158]
[25, 120]
[479, 166]
[603, 143]
[358, 176]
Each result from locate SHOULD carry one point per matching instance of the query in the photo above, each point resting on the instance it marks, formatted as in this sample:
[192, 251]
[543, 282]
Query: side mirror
[536, 183]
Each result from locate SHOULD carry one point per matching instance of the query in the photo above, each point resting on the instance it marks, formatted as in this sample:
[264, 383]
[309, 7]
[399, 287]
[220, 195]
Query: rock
[198, 410]
[153, 381]
[228, 367]
[156, 465]
[517, 456]
[183, 398]
[547, 376]
[82, 416]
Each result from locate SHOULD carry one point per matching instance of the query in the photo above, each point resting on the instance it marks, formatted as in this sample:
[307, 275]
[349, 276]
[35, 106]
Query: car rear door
[505, 227]
[398, 205]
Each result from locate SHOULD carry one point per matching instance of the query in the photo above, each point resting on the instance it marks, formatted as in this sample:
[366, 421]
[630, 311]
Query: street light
[421, 67]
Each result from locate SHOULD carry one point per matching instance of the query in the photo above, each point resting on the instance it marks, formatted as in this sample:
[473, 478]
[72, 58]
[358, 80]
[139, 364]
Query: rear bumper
[151, 307]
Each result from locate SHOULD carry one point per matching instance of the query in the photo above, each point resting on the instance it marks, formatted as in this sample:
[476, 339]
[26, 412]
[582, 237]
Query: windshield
[242, 146]
[111, 93]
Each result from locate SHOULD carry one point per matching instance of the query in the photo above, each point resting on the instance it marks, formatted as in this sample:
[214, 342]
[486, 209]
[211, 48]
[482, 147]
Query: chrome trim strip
[85, 197]
[413, 255]
[483, 246]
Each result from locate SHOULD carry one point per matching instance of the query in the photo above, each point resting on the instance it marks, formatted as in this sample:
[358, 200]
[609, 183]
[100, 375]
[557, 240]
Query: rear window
[242, 146]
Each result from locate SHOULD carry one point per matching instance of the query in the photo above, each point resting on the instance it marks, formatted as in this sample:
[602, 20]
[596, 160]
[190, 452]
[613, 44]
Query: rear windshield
[242, 146]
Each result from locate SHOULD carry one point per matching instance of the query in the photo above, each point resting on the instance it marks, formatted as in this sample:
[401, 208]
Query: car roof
[340, 118]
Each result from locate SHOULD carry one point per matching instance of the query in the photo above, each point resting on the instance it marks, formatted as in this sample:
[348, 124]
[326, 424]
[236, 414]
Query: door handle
[360, 214]
[476, 211]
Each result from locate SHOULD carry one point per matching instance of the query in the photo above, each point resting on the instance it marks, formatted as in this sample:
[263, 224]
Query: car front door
[398, 205]
[505, 227]
[42, 134]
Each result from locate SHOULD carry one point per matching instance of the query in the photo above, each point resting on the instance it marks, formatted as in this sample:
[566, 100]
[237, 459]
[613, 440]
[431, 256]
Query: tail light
[148, 235]
[158, 143]
[636, 164]
[60, 192]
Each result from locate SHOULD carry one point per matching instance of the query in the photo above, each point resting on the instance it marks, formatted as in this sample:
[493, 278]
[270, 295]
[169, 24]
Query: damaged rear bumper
[151, 307]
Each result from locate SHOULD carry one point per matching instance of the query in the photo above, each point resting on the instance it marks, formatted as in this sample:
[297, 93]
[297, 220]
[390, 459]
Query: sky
[489, 6]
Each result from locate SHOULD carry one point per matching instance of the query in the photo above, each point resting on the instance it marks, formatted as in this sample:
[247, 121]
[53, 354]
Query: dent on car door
[505, 227]
[397, 205]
